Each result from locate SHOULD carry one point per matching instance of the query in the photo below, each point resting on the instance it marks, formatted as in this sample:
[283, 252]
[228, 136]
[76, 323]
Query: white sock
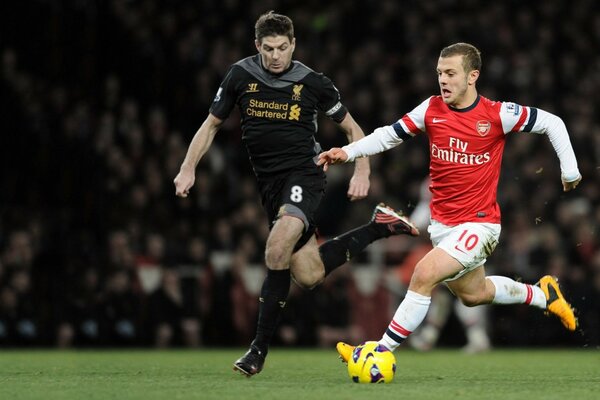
[512, 292]
[409, 315]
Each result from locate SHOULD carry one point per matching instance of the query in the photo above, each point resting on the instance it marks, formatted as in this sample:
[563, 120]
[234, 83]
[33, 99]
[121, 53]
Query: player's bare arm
[198, 147]
[359, 184]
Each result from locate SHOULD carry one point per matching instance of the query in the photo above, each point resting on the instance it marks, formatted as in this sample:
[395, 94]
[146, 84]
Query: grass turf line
[297, 374]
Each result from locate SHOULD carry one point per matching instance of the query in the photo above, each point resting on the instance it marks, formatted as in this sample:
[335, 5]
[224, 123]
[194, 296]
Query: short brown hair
[471, 55]
[271, 24]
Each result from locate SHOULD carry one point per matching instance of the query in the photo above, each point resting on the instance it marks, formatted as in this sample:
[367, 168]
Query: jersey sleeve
[226, 96]
[413, 122]
[517, 118]
[330, 102]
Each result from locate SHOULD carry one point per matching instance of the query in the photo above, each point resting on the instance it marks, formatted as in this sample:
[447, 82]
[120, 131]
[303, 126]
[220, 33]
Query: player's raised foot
[556, 303]
[345, 351]
[394, 223]
[250, 363]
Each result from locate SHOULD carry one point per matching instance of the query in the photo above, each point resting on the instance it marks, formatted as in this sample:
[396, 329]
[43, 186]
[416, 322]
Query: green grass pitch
[297, 374]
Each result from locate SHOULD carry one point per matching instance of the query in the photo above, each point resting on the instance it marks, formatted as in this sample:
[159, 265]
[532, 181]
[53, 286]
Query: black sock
[340, 250]
[273, 296]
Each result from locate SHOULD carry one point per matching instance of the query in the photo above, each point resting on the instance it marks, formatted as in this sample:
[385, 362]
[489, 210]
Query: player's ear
[473, 76]
[293, 44]
[257, 44]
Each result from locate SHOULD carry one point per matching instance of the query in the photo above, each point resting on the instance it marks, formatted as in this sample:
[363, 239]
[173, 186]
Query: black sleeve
[226, 96]
[329, 101]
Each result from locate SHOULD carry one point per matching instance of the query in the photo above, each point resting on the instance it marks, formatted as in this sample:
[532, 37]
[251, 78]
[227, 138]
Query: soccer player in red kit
[466, 136]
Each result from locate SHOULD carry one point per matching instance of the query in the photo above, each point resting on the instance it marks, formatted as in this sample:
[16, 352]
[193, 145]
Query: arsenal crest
[483, 127]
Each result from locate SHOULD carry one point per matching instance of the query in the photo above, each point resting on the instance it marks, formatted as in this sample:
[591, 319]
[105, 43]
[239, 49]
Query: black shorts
[297, 193]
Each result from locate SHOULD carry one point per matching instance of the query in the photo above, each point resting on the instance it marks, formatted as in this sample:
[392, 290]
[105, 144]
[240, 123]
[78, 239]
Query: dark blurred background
[100, 99]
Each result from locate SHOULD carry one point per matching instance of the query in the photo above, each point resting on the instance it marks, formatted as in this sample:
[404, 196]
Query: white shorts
[469, 243]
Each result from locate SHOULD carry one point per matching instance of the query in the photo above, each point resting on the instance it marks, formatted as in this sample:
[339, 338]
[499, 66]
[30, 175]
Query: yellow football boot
[556, 303]
[345, 351]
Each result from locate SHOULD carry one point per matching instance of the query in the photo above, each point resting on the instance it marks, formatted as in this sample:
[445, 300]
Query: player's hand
[335, 155]
[359, 183]
[359, 186]
[571, 185]
[184, 182]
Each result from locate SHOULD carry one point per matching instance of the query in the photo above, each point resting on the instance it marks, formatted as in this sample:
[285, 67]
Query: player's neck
[467, 101]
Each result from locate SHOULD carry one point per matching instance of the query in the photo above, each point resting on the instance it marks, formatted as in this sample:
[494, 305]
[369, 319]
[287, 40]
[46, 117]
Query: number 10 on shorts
[467, 241]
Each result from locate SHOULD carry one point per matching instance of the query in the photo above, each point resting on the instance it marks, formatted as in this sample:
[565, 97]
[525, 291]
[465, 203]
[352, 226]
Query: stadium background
[99, 100]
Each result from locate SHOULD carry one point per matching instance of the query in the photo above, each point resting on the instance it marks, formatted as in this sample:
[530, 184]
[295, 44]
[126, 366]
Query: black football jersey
[279, 112]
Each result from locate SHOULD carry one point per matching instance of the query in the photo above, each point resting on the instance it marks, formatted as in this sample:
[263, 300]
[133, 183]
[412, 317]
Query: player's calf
[308, 280]
[384, 222]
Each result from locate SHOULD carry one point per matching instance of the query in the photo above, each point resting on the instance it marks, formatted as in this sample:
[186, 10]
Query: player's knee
[276, 257]
[422, 278]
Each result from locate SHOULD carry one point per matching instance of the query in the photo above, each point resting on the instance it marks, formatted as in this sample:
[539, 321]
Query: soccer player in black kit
[279, 100]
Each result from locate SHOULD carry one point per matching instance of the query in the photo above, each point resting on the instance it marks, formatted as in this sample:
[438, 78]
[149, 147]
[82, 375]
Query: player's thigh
[306, 265]
[281, 241]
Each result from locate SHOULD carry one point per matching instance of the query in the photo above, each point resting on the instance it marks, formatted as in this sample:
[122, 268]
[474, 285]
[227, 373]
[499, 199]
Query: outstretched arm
[359, 184]
[380, 140]
[555, 128]
[198, 147]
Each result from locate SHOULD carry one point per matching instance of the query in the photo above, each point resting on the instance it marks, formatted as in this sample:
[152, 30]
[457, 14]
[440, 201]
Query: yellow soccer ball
[371, 363]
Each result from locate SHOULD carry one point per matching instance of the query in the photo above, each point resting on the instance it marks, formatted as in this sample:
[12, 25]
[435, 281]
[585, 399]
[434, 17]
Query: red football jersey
[466, 148]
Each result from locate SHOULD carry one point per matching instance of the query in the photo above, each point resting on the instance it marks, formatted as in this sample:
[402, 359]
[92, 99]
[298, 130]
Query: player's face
[276, 52]
[457, 87]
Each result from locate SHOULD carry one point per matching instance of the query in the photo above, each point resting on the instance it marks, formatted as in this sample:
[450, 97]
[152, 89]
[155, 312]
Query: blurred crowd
[99, 100]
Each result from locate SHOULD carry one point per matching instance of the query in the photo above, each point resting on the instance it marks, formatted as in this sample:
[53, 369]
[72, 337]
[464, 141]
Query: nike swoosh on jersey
[436, 120]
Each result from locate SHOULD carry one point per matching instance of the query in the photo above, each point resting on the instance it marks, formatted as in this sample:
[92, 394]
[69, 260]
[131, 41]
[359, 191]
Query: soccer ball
[371, 363]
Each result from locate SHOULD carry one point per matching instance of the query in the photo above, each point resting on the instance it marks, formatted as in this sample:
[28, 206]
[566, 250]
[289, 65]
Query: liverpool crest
[297, 89]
